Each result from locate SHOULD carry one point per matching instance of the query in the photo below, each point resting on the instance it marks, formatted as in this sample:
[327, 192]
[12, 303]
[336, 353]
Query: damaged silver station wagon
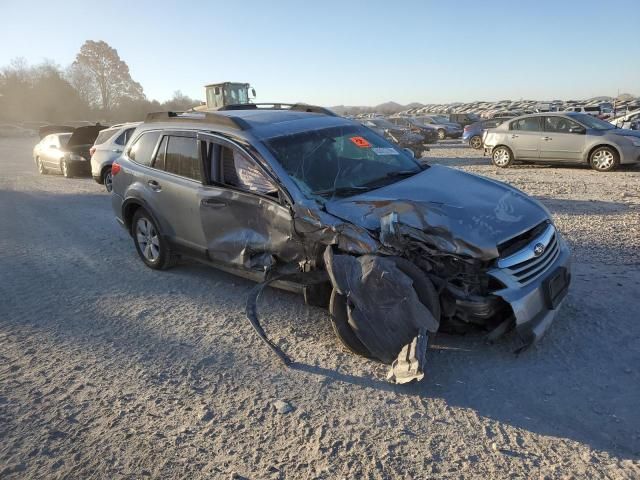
[312, 202]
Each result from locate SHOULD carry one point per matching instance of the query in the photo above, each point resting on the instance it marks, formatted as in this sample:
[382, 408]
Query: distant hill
[387, 108]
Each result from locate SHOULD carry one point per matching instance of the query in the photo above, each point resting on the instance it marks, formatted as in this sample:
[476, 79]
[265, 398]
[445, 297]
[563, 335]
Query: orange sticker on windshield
[360, 142]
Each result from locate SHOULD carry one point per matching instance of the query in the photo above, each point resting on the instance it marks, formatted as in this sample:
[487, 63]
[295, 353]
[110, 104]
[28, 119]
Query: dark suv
[325, 205]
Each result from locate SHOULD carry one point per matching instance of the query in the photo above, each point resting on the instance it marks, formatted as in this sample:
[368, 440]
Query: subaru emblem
[538, 249]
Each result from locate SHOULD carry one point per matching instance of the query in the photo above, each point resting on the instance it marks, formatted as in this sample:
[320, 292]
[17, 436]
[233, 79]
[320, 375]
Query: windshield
[441, 119]
[592, 122]
[341, 161]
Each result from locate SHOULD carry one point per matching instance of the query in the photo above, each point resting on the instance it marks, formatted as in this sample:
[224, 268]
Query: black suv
[322, 204]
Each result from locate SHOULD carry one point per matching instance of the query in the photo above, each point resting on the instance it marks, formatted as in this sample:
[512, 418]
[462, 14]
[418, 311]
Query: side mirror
[410, 152]
[253, 92]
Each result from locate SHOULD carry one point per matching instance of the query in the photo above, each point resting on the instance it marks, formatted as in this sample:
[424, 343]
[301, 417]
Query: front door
[245, 216]
[562, 140]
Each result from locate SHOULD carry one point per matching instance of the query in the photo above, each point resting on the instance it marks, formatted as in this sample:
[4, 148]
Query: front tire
[341, 327]
[107, 180]
[152, 248]
[427, 294]
[442, 134]
[502, 157]
[475, 142]
[604, 159]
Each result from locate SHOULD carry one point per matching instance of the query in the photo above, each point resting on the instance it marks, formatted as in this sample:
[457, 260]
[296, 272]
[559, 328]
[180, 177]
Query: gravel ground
[111, 370]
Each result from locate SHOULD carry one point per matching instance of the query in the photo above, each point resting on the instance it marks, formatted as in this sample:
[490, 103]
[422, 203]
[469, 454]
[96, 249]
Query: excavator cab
[219, 95]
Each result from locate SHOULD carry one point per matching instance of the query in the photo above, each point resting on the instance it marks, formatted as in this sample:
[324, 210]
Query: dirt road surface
[111, 370]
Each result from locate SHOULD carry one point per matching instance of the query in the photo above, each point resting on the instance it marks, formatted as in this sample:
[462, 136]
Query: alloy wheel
[108, 181]
[148, 240]
[476, 142]
[603, 160]
[501, 157]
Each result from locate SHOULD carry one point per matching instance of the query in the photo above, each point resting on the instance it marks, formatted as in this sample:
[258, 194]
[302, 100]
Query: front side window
[182, 158]
[142, 150]
[557, 124]
[528, 124]
[242, 172]
[340, 161]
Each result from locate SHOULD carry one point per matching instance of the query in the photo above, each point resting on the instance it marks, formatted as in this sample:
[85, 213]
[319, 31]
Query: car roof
[259, 123]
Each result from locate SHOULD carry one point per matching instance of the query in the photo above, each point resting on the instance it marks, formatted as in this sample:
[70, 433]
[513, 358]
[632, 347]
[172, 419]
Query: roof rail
[200, 117]
[295, 107]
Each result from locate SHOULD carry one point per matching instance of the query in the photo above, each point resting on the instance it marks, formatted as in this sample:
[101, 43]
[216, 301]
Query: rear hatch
[49, 129]
[82, 139]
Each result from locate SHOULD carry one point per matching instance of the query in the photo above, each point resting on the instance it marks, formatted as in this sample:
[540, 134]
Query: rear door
[245, 215]
[50, 152]
[524, 138]
[563, 139]
[175, 183]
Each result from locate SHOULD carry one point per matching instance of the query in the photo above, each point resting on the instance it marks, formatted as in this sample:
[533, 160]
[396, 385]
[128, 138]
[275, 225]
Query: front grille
[525, 266]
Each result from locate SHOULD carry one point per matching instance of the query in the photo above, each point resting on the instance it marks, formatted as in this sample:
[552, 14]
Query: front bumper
[532, 307]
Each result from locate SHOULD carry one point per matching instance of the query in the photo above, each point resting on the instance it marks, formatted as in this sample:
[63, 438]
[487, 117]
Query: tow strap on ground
[252, 313]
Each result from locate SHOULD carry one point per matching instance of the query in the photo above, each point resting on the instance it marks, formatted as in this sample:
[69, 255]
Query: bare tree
[108, 75]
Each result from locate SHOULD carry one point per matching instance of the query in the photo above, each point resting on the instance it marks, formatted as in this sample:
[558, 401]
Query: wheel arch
[103, 171]
[587, 158]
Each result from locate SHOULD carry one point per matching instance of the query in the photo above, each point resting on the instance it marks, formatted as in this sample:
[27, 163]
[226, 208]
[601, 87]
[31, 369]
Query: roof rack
[202, 117]
[294, 107]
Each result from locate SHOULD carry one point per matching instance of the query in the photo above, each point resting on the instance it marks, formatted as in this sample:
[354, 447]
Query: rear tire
[604, 159]
[151, 246]
[475, 142]
[502, 156]
[107, 180]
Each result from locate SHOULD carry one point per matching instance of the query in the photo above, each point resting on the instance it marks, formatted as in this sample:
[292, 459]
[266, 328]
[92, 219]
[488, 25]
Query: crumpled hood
[472, 214]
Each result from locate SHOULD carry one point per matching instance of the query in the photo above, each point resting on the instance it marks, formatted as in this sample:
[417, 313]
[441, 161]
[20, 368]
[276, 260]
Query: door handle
[212, 203]
[155, 186]
[546, 139]
[514, 136]
[116, 150]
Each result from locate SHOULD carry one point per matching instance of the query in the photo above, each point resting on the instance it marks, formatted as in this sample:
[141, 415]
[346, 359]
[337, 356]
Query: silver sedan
[562, 138]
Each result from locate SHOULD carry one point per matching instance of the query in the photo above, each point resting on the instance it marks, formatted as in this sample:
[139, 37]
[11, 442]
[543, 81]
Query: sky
[347, 52]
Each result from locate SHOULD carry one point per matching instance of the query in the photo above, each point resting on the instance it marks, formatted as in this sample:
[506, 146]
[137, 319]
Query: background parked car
[472, 134]
[430, 133]
[625, 121]
[401, 136]
[107, 147]
[562, 138]
[464, 119]
[65, 149]
[445, 128]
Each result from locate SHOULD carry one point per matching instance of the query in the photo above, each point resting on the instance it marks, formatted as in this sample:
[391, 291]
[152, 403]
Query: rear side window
[103, 136]
[529, 124]
[142, 150]
[182, 157]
